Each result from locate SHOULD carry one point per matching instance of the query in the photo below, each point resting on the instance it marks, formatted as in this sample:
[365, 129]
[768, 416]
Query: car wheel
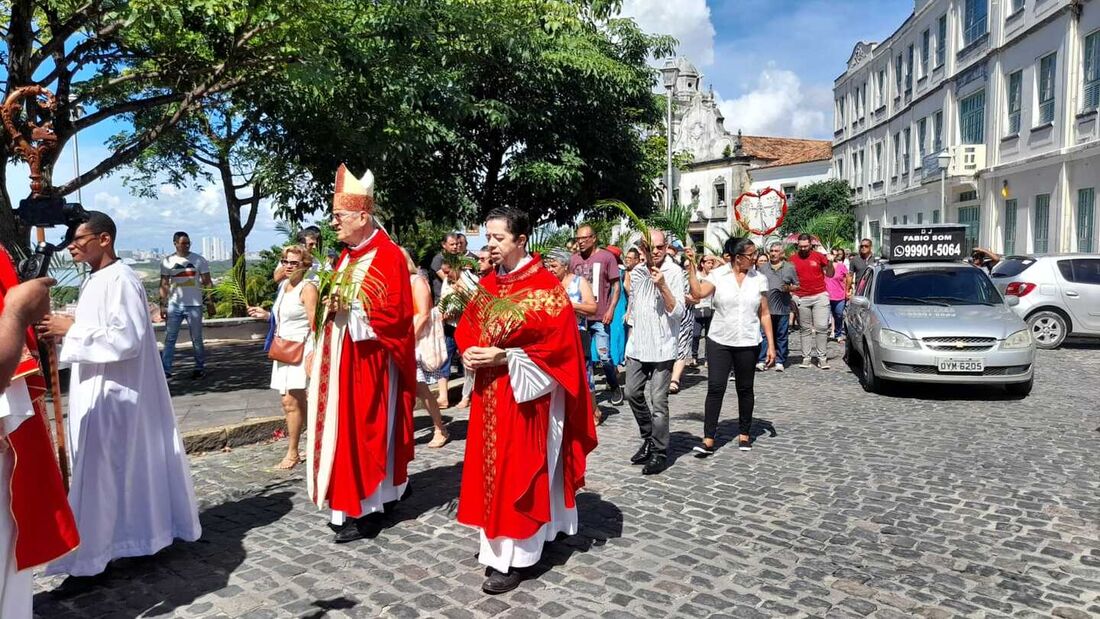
[1020, 389]
[870, 382]
[1049, 328]
[849, 352]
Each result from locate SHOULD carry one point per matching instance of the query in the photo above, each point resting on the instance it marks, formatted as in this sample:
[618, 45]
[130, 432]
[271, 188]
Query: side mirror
[1012, 300]
[861, 302]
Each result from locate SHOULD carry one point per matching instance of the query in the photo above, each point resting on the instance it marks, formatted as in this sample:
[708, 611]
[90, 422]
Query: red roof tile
[786, 151]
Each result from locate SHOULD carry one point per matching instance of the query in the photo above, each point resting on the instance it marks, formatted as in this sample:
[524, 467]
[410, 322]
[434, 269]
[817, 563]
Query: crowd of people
[357, 339]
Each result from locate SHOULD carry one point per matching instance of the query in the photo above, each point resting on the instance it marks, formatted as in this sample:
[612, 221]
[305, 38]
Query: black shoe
[617, 396]
[657, 463]
[702, 451]
[359, 528]
[644, 452]
[336, 528]
[197, 374]
[387, 508]
[744, 445]
[499, 582]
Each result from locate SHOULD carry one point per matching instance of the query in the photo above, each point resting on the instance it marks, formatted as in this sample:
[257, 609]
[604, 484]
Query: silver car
[936, 322]
[1059, 294]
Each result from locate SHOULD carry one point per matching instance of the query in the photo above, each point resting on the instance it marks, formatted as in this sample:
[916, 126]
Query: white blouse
[736, 320]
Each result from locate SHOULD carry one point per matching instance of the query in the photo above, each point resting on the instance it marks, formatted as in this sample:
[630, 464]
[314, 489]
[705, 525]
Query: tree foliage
[540, 111]
[122, 61]
[831, 196]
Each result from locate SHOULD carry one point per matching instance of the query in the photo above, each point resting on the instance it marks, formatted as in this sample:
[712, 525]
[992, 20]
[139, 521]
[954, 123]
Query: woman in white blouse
[293, 311]
[733, 341]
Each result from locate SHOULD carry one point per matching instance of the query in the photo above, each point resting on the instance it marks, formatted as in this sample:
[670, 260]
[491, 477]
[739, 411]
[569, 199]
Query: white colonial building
[1009, 89]
[725, 165]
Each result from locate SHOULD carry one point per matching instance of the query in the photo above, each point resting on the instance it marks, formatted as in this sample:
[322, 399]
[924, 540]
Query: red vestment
[350, 386]
[39, 506]
[505, 479]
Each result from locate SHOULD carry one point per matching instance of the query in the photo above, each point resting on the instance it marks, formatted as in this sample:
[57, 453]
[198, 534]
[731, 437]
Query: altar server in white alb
[131, 490]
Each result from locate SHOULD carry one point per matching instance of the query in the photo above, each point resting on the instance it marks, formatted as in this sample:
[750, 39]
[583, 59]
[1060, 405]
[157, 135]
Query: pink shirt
[835, 285]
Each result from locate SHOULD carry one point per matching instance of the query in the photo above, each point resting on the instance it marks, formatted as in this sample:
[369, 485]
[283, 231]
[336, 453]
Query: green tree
[831, 196]
[541, 111]
[128, 60]
[214, 140]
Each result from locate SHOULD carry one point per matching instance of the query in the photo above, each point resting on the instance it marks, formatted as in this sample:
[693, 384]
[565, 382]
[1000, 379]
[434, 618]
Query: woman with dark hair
[740, 306]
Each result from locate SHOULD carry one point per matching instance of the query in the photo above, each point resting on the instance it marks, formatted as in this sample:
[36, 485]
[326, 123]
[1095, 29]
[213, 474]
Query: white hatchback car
[1059, 294]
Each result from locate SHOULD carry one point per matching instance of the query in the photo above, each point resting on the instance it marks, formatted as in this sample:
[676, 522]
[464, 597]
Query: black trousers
[720, 360]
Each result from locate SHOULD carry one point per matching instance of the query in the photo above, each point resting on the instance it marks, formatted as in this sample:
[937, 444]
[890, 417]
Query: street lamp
[944, 160]
[670, 73]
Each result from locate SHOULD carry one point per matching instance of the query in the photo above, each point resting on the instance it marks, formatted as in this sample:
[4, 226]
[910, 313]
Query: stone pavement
[927, 501]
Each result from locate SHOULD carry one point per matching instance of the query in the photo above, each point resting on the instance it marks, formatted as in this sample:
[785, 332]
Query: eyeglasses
[76, 239]
[584, 238]
[289, 263]
[867, 246]
[752, 255]
[343, 215]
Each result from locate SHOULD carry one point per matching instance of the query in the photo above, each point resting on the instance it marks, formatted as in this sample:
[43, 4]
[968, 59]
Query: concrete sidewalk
[234, 404]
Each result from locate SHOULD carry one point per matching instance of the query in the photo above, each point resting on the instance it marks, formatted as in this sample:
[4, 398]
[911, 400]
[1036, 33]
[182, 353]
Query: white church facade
[724, 165]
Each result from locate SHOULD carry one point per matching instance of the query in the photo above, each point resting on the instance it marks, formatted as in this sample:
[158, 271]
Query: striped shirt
[655, 331]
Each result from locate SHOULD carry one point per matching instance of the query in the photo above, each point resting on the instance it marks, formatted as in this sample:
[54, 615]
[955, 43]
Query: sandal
[674, 387]
[288, 463]
[440, 439]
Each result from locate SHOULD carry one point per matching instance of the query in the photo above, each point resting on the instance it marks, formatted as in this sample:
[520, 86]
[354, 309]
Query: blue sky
[772, 64]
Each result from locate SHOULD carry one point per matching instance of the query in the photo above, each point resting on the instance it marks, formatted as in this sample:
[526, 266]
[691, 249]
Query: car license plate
[960, 365]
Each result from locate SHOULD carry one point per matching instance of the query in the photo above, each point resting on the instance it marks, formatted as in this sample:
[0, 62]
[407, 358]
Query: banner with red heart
[754, 201]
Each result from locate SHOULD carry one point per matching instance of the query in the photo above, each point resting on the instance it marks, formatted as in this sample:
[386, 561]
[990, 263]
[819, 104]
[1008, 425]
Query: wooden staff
[55, 394]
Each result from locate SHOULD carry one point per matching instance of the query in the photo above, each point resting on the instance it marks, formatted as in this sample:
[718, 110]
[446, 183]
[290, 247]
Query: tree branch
[254, 208]
[130, 152]
[61, 34]
[128, 106]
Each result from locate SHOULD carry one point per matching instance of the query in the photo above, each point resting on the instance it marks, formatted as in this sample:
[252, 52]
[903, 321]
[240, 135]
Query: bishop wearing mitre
[359, 428]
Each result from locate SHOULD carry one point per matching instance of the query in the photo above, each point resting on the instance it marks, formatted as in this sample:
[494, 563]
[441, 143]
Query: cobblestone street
[927, 502]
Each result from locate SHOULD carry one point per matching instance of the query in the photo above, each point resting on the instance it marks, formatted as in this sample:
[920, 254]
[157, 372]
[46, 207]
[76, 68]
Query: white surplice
[504, 553]
[15, 586]
[131, 489]
[359, 330]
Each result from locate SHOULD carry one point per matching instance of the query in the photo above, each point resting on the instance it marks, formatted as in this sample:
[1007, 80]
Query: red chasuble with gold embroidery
[44, 522]
[350, 385]
[505, 481]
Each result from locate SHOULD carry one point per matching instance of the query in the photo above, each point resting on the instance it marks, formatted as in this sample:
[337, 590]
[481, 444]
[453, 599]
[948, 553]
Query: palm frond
[636, 222]
[230, 288]
[342, 286]
[498, 317]
[676, 220]
[832, 229]
[547, 237]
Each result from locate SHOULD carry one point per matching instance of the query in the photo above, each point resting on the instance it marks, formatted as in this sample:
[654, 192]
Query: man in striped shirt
[657, 311]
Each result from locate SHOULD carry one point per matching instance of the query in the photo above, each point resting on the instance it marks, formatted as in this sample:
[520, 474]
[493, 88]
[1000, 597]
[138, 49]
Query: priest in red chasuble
[363, 374]
[531, 419]
[36, 523]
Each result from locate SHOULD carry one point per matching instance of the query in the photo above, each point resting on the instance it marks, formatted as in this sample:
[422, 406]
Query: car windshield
[1012, 266]
[924, 286]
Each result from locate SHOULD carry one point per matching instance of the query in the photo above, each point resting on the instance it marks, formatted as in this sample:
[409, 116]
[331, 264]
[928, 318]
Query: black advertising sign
[928, 242]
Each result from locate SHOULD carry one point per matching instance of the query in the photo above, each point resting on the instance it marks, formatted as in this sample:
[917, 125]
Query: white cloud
[169, 191]
[210, 200]
[687, 20]
[779, 105]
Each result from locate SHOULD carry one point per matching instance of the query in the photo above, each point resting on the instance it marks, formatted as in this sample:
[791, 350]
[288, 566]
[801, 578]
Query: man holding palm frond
[531, 418]
[363, 375]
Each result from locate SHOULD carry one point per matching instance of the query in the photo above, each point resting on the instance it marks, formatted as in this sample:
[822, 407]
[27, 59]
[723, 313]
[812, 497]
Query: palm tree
[832, 229]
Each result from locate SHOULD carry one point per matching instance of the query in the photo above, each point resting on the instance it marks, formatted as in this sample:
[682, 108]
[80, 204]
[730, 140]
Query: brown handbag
[286, 351]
